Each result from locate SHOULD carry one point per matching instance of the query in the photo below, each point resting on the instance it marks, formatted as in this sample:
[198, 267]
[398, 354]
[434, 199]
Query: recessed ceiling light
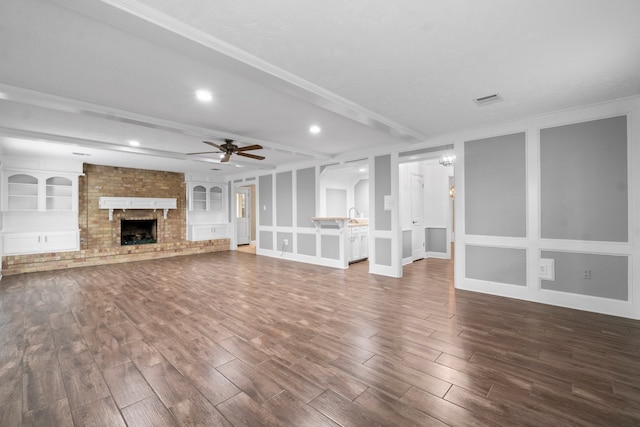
[134, 143]
[362, 170]
[204, 95]
[314, 129]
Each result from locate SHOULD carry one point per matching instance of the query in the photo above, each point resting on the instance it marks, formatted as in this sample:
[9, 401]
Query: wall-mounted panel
[330, 247]
[500, 265]
[265, 192]
[383, 251]
[266, 240]
[407, 242]
[605, 276]
[495, 186]
[382, 181]
[306, 244]
[436, 239]
[280, 242]
[305, 196]
[583, 181]
[361, 197]
[284, 199]
[336, 202]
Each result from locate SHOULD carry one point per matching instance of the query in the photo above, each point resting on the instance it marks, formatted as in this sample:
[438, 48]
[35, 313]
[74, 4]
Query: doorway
[417, 217]
[243, 216]
[426, 204]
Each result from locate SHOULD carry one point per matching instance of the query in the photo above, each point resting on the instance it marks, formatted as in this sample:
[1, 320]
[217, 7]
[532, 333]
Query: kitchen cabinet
[358, 242]
[40, 242]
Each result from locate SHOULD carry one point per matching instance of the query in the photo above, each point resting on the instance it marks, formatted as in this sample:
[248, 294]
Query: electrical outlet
[587, 274]
[286, 242]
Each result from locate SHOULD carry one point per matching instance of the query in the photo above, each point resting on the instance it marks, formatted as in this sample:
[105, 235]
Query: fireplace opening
[138, 231]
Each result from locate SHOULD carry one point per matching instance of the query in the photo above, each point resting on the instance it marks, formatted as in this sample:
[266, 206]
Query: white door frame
[243, 223]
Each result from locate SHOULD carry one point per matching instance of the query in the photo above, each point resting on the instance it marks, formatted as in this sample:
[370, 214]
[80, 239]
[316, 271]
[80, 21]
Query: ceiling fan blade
[251, 156]
[226, 158]
[204, 152]
[213, 144]
[250, 147]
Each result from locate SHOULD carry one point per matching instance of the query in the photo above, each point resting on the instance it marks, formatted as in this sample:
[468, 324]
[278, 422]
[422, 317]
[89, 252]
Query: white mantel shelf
[125, 203]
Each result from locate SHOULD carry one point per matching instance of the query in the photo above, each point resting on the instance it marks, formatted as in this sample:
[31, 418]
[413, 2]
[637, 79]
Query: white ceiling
[87, 76]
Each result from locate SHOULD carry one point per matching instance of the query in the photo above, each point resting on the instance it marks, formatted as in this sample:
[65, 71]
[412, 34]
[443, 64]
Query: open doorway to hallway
[426, 200]
[245, 213]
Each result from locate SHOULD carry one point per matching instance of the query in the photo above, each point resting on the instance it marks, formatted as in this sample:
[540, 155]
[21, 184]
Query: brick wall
[100, 238]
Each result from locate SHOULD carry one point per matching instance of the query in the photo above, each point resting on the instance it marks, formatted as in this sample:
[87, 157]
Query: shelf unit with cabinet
[39, 206]
[39, 191]
[207, 216]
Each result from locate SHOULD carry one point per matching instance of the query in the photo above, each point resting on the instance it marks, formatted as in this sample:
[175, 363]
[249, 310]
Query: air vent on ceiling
[489, 99]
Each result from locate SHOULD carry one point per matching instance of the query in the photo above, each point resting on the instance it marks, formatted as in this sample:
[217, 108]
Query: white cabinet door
[208, 232]
[60, 241]
[22, 243]
[220, 231]
[201, 232]
[358, 243]
[364, 242]
[33, 243]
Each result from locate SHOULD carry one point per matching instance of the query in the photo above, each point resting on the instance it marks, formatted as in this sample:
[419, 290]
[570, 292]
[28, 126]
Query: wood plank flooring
[234, 339]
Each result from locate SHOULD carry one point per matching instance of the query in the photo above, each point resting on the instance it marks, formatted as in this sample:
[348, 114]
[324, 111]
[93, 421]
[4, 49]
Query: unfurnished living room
[337, 213]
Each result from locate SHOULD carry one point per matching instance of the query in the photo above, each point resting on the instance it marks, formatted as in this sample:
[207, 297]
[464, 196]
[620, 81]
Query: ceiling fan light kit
[229, 148]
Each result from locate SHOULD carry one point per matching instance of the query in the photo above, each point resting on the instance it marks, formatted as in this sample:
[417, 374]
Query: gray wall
[383, 251]
[330, 247]
[583, 191]
[336, 202]
[361, 197]
[306, 197]
[266, 240]
[495, 186]
[265, 192]
[609, 274]
[284, 199]
[382, 188]
[306, 244]
[436, 239]
[502, 265]
[280, 237]
[407, 244]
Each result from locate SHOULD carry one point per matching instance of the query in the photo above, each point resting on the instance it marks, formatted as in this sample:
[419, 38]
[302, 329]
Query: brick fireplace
[100, 238]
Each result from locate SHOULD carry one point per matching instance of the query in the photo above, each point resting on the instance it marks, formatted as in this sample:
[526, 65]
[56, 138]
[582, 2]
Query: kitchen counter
[351, 222]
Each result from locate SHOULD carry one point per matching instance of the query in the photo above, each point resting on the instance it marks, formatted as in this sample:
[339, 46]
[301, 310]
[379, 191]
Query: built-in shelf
[125, 203]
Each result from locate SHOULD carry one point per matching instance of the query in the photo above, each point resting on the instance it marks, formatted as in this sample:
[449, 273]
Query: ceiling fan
[229, 148]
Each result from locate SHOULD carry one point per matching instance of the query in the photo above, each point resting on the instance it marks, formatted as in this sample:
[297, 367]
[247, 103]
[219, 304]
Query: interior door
[417, 217]
[243, 215]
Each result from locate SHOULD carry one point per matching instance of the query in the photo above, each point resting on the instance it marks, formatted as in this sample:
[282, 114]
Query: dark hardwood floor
[235, 339]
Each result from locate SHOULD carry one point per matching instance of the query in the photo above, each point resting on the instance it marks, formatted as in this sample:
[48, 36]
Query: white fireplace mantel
[125, 203]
